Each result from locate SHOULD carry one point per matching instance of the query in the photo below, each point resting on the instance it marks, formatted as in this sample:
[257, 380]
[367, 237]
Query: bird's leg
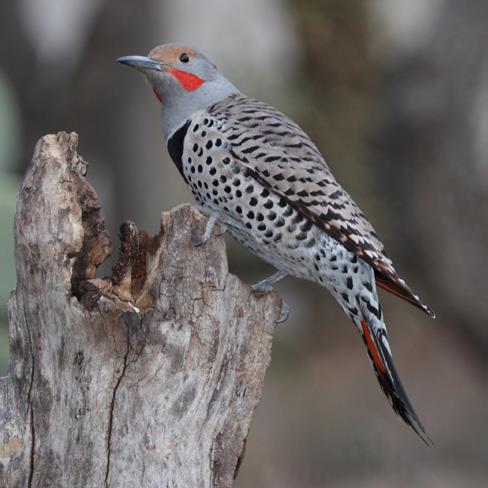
[212, 220]
[266, 285]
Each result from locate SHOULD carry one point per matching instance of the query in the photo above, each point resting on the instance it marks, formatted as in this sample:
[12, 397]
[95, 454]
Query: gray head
[183, 80]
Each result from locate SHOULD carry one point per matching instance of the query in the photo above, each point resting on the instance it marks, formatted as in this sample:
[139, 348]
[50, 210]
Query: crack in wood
[112, 407]
[30, 403]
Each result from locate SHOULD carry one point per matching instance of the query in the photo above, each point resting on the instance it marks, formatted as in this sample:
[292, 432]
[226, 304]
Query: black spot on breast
[291, 228]
[311, 242]
[306, 226]
[280, 222]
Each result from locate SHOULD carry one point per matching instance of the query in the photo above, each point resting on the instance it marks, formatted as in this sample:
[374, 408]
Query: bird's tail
[382, 361]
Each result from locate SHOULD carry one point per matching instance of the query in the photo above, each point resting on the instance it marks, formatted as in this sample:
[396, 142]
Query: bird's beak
[141, 63]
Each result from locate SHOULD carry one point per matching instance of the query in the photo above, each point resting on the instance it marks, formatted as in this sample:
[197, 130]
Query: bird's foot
[200, 241]
[267, 285]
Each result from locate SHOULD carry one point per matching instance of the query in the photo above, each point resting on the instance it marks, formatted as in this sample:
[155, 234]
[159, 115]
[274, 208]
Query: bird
[257, 174]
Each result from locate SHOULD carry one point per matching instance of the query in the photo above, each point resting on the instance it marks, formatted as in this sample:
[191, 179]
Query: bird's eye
[184, 58]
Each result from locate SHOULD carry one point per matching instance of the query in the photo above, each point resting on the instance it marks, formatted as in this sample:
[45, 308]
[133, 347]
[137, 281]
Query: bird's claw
[266, 286]
[259, 288]
[285, 312]
[208, 231]
[198, 241]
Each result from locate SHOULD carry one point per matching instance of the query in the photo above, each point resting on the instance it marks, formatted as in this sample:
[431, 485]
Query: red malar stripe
[188, 81]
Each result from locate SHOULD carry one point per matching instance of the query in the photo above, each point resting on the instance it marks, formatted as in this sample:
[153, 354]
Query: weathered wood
[146, 378]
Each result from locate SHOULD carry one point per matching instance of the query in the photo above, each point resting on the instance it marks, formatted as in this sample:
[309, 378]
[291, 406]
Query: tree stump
[145, 378]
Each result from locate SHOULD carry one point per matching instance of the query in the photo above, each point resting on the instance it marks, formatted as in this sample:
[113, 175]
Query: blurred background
[395, 94]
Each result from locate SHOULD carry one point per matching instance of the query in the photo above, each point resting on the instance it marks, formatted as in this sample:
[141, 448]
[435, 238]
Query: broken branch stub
[149, 376]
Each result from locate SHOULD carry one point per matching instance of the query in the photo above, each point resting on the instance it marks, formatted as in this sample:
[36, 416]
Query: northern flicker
[257, 173]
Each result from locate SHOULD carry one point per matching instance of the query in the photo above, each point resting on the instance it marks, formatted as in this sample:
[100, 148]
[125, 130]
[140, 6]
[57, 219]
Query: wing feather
[278, 154]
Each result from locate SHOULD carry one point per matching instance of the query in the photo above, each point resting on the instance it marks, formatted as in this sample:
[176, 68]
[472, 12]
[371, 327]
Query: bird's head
[173, 70]
[183, 80]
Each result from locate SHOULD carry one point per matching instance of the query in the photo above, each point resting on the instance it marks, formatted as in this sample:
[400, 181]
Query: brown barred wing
[279, 155]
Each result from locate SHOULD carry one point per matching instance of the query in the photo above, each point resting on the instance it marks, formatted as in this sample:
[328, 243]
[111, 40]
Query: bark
[146, 378]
